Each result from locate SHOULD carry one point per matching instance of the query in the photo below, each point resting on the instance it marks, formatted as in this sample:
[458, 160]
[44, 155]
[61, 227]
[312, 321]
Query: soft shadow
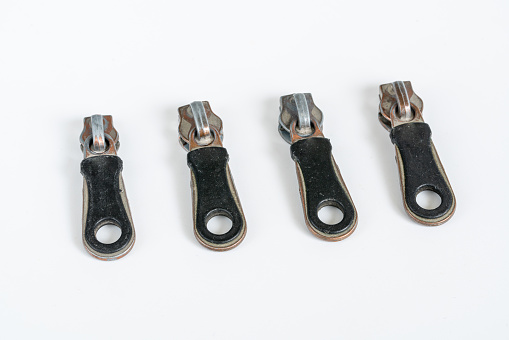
[279, 152]
[71, 173]
[179, 173]
[385, 152]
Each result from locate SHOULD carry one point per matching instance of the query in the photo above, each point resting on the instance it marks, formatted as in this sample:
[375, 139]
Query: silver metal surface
[93, 141]
[399, 105]
[304, 123]
[298, 108]
[199, 125]
[403, 101]
[98, 141]
[203, 134]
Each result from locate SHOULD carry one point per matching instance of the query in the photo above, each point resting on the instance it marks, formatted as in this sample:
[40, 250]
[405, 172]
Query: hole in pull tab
[108, 233]
[219, 225]
[330, 214]
[428, 199]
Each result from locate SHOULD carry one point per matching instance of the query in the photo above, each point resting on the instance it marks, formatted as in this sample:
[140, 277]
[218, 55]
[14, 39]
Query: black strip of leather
[105, 204]
[213, 194]
[422, 170]
[322, 185]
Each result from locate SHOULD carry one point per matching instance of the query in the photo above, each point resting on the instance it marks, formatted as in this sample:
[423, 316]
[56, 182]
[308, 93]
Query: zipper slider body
[104, 196]
[320, 181]
[213, 189]
[420, 169]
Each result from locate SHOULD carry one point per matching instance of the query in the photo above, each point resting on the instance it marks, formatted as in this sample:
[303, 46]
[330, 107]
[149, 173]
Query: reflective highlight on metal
[203, 134]
[304, 121]
[99, 144]
[403, 101]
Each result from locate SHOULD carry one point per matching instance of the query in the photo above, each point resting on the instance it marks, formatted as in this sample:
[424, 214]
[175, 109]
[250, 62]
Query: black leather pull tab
[420, 169]
[214, 194]
[105, 202]
[321, 185]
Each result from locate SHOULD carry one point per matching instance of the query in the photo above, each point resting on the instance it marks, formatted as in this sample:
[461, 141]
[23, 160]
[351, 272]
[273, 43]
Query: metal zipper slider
[420, 169]
[214, 193]
[104, 197]
[320, 182]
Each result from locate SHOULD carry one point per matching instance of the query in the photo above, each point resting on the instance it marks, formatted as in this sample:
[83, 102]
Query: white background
[140, 60]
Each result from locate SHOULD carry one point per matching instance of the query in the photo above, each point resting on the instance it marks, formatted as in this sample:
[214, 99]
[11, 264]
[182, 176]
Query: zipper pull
[420, 169]
[214, 193]
[320, 182]
[104, 197]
